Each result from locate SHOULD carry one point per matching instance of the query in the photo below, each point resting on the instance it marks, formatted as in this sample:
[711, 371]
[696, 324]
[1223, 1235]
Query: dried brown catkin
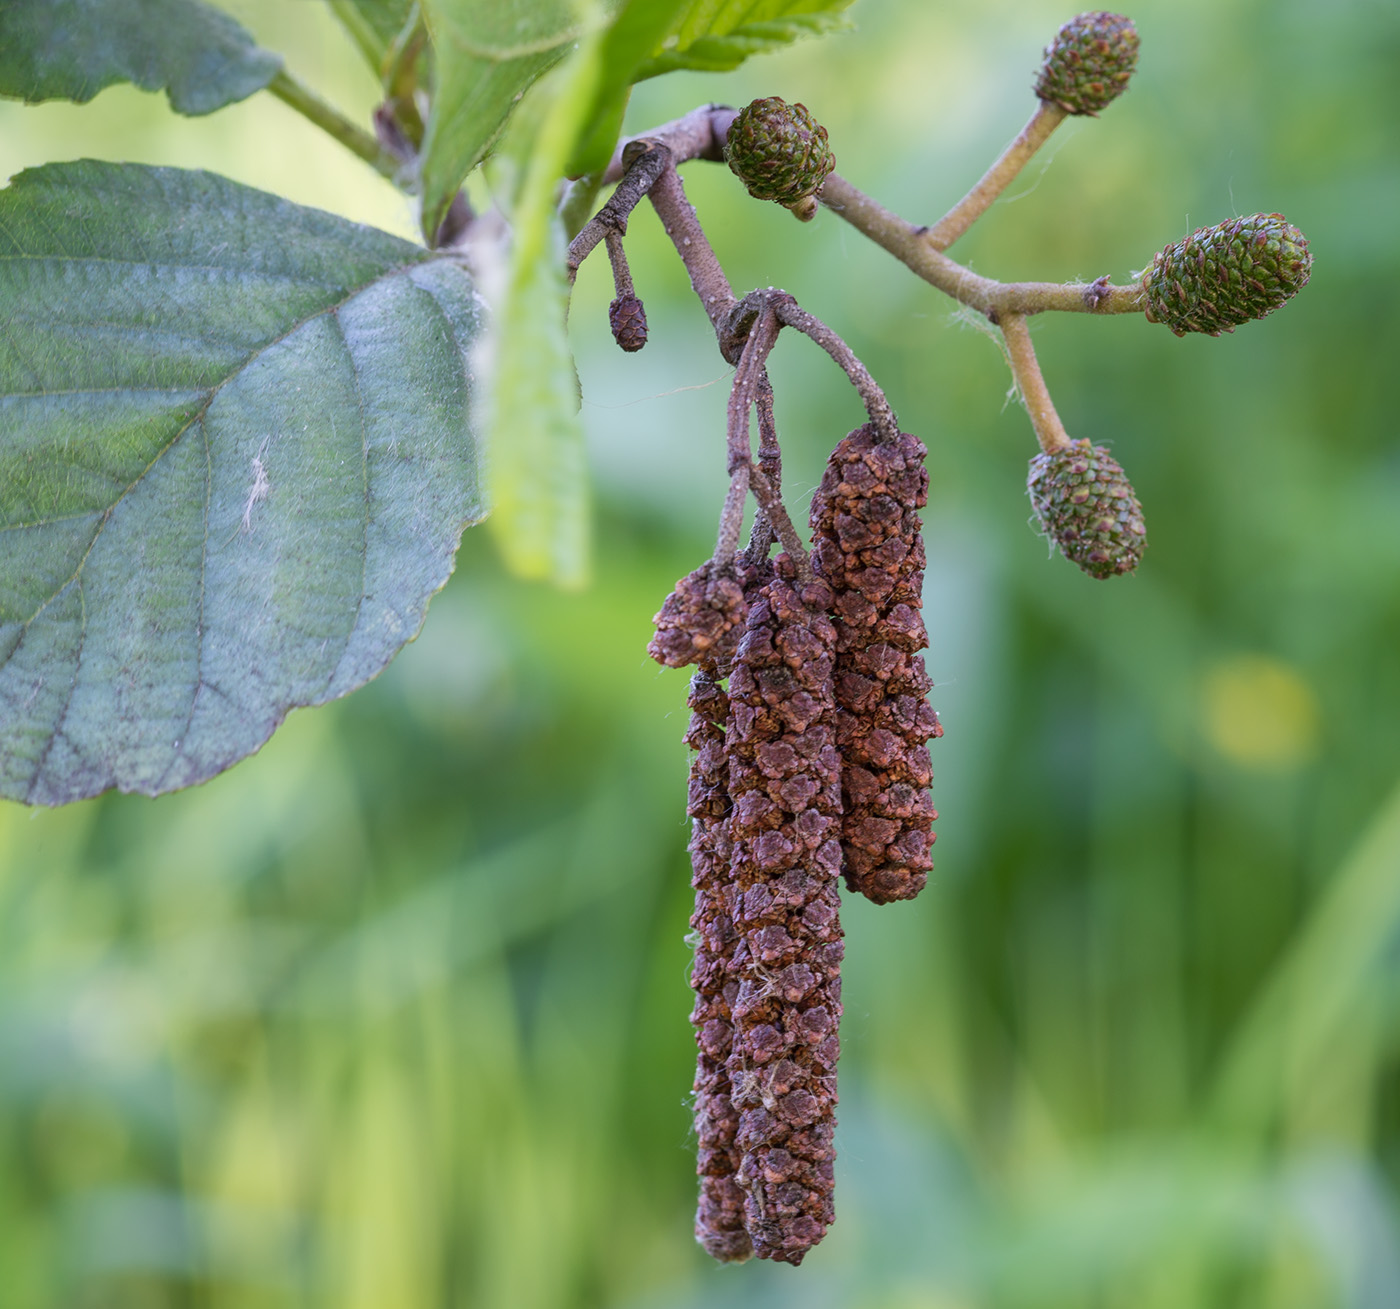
[867, 545]
[719, 1216]
[785, 784]
[703, 617]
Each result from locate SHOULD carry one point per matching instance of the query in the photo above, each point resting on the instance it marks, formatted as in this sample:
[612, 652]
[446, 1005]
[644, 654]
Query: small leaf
[715, 38]
[637, 33]
[487, 53]
[374, 25]
[235, 462]
[71, 49]
[650, 37]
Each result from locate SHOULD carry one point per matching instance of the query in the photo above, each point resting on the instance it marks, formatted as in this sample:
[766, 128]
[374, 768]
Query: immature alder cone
[1222, 276]
[719, 1216]
[785, 784]
[1088, 64]
[628, 319]
[778, 151]
[867, 545]
[1086, 505]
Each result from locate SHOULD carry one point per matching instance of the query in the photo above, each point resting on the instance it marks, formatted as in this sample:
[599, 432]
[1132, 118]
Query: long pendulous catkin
[867, 545]
[719, 1215]
[785, 784]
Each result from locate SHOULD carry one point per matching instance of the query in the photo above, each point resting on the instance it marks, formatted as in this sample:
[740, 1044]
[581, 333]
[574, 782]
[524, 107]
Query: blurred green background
[394, 1013]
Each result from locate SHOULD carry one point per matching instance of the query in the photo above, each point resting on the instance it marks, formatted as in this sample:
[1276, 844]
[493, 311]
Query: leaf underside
[71, 49]
[235, 463]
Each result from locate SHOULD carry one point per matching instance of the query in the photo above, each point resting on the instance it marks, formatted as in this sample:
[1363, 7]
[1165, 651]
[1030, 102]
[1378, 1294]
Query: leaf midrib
[196, 417]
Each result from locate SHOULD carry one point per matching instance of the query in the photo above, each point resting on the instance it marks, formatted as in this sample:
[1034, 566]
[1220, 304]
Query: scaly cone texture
[719, 1216]
[1088, 64]
[785, 784]
[1222, 276]
[867, 545]
[778, 151]
[627, 317]
[702, 619]
[1086, 506]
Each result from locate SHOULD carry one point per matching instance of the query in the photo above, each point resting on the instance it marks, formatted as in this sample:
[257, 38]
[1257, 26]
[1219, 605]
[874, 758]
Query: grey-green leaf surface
[717, 35]
[235, 464]
[71, 49]
[487, 53]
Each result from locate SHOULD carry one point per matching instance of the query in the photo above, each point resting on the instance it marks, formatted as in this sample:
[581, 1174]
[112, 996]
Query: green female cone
[779, 151]
[1088, 64]
[1086, 506]
[1222, 276]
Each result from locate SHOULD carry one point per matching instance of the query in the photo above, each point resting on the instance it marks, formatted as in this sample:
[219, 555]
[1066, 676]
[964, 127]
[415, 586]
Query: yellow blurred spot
[1260, 713]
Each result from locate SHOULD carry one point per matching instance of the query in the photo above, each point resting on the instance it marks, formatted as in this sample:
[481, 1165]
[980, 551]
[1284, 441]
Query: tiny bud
[1222, 276]
[779, 151]
[1088, 64]
[628, 320]
[1086, 506]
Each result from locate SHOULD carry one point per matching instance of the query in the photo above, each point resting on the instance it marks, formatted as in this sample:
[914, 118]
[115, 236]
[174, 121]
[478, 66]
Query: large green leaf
[235, 463]
[71, 49]
[487, 53]
[717, 35]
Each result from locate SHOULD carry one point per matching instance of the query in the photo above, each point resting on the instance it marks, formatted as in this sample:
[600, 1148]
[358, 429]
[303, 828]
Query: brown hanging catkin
[867, 545]
[689, 612]
[785, 784]
[719, 1216]
[703, 617]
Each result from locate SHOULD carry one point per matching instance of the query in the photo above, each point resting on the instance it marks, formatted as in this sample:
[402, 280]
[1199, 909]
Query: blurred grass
[394, 1013]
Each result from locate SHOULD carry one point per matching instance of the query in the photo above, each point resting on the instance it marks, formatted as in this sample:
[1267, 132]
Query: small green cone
[1088, 64]
[1086, 506]
[778, 151]
[1222, 276]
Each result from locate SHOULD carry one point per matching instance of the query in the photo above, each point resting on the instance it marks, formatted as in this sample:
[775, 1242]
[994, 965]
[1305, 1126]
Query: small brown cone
[628, 319]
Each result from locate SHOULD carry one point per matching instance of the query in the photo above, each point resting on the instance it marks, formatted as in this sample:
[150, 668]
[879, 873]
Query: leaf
[637, 33]
[717, 35]
[486, 53]
[535, 466]
[71, 49]
[651, 37]
[235, 462]
[374, 25]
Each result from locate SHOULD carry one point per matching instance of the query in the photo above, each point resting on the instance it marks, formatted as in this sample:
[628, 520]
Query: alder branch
[1025, 368]
[791, 314]
[617, 257]
[707, 277]
[648, 158]
[297, 95]
[740, 449]
[770, 464]
[988, 296]
[997, 178]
